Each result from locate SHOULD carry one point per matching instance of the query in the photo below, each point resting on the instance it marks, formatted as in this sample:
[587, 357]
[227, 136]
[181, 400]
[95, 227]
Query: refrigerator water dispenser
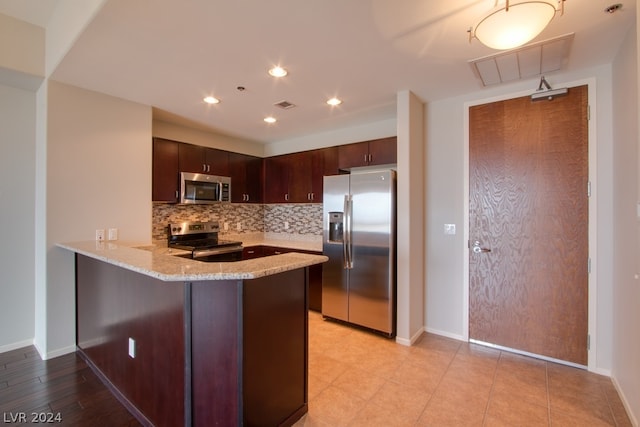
[335, 227]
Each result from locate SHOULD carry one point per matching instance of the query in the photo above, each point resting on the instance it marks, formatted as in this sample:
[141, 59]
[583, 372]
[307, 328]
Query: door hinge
[588, 188]
[588, 342]
[588, 112]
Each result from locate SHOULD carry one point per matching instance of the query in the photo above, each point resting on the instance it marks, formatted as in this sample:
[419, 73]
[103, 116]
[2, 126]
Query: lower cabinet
[315, 271]
[206, 353]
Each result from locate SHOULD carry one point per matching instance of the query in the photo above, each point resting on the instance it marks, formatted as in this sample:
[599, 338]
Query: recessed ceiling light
[270, 119]
[334, 101]
[211, 100]
[278, 71]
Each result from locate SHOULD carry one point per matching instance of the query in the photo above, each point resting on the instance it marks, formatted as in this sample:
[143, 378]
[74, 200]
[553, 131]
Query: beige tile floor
[360, 379]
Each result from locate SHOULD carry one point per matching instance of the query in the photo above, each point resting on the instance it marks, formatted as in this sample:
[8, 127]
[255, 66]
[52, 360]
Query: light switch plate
[113, 234]
[449, 229]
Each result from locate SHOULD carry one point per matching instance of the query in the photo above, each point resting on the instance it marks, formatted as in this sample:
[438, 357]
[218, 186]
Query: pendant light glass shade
[514, 24]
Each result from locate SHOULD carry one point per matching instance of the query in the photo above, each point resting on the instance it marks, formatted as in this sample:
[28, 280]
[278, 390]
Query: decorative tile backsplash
[293, 218]
[253, 218]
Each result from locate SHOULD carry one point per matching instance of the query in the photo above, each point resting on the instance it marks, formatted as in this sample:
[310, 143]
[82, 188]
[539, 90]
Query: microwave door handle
[219, 196]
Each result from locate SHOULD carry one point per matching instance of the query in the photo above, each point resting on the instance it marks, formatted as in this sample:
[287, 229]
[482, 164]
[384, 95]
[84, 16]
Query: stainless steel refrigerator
[359, 237]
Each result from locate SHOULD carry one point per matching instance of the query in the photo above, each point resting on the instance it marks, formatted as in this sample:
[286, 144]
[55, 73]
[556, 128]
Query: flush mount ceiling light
[211, 100]
[270, 119]
[334, 101]
[278, 71]
[513, 23]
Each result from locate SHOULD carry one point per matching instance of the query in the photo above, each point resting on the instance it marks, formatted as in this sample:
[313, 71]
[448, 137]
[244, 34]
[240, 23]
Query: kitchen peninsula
[183, 342]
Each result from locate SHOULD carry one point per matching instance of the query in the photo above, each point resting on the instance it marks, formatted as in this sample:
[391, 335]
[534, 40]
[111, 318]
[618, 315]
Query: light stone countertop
[160, 262]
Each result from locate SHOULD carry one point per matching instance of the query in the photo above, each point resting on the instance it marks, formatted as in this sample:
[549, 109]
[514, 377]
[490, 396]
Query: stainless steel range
[201, 239]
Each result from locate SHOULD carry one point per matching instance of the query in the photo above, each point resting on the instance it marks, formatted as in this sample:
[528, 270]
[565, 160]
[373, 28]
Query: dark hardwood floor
[63, 391]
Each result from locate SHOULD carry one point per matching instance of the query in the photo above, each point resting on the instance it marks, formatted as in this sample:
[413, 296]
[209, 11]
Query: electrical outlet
[132, 348]
[100, 234]
[113, 234]
[286, 225]
[239, 226]
[449, 229]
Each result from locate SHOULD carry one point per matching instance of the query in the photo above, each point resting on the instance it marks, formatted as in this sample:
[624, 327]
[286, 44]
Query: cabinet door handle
[204, 167]
[177, 195]
[208, 168]
[370, 158]
[286, 197]
[366, 157]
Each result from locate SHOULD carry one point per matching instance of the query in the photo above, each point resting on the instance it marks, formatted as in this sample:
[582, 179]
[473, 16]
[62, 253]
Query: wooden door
[528, 205]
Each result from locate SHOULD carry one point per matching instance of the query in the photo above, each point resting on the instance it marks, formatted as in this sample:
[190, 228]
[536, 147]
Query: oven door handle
[216, 251]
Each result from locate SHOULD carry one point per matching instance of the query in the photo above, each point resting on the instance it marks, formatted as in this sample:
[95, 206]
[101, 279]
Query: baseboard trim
[625, 402]
[16, 345]
[446, 334]
[409, 342]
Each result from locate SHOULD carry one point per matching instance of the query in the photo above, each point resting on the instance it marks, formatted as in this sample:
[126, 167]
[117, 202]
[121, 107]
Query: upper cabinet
[165, 170]
[297, 177]
[246, 178]
[375, 152]
[197, 159]
[289, 178]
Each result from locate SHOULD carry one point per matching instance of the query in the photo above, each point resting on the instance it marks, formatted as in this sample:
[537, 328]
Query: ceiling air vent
[527, 61]
[285, 105]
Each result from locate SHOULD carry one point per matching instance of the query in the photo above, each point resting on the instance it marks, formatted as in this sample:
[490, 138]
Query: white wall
[69, 19]
[446, 168]
[25, 53]
[626, 251]
[180, 133]
[375, 130]
[17, 192]
[98, 175]
[410, 218]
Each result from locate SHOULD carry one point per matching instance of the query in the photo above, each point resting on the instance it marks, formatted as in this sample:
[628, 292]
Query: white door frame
[592, 286]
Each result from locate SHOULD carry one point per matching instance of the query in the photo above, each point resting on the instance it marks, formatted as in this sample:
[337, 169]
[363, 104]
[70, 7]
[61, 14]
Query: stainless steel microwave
[198, 188]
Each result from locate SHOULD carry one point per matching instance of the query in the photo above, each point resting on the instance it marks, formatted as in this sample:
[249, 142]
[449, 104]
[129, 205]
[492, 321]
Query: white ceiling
[171, 53]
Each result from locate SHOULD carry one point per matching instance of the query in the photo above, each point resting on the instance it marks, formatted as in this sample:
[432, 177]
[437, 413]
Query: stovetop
[192, 236]
[190, 245]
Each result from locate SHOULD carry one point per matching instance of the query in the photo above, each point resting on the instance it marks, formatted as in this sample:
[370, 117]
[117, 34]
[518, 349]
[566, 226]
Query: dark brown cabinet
[288, 178]
[375, 152]
[165, 171]
[251, 252]
[197, 159]
[298, 177]
[246, 178]
[276, 179]
[215, 352]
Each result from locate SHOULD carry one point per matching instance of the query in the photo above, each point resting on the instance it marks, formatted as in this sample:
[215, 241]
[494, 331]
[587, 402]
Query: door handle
[477, 249]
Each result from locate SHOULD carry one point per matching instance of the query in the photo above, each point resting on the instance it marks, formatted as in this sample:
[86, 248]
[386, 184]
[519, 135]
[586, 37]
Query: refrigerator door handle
[347, 247]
